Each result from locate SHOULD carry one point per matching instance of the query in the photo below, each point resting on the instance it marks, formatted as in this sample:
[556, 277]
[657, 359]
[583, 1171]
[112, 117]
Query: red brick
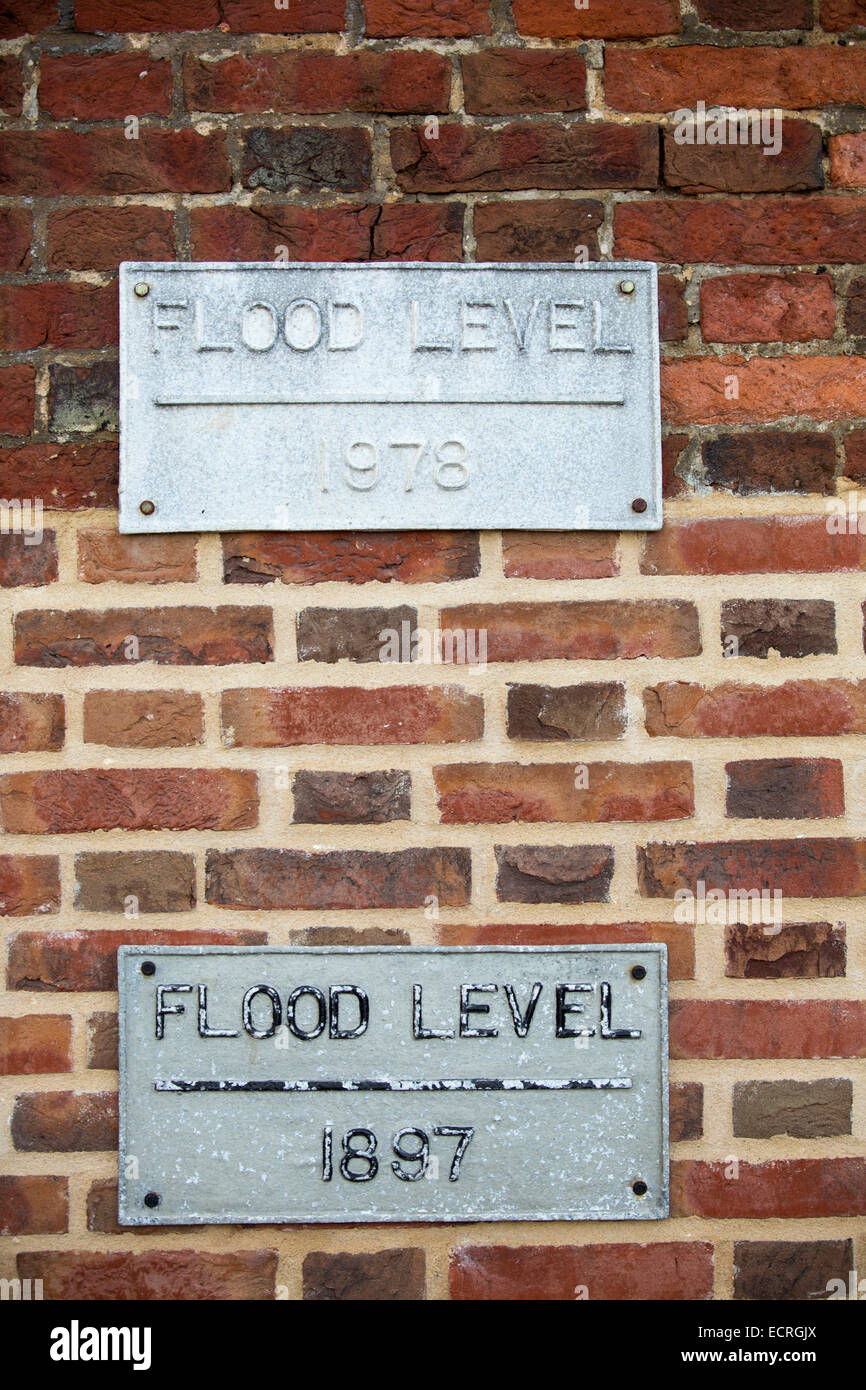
[795, 79]
[143, 718]
[48, 163]
[594, 154]
[35, 1043]
[751, 545]
[393, 231]
[516, 81]
[15, 234]
[308, 80]
[842, 14]
[285, 878]
[99, 238]
[350, 715]
[62, 476]
[560, 554]
[72, 961]
[738, 168]
[11, 86]
[758, 461]
[661, 1270]
[27, 566]
[179, 636]
[756, 14]
[350, 557]
[553, 873]
[731, 710]
[495, 793]
[807, 867]
[29, 884]
[16, 400]
[673, 310]
[66, 316]
[27, 17]
[769, 388]
[193, 1275]
[32, 1205]
[767, 308]
[455, 19]
[784, 788]
[678, 937]
[755, 231]
[848, 160]
[673, 485]
[582, 631]
[63, 1121]
[31, 723]
[800, 950]
[128, 799]
[602, 19]
[543, 229]
[104, 557]
[238, 16]
[797, 1188]
[766, 1028]
[102, 87]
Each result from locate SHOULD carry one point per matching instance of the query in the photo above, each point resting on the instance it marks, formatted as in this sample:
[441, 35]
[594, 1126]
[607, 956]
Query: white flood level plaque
[378, 397]
[392, 1084]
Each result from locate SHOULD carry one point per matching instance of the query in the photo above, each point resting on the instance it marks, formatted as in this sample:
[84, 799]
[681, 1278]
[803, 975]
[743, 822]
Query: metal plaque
[323, 396]
[392, 1084]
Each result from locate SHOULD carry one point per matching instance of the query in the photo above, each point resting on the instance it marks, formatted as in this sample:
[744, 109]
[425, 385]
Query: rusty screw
[626, 286]
[141, 289]
[638, 505]
[147, 508]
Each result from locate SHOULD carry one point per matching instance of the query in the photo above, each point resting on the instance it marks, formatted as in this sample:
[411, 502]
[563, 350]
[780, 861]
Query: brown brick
[412, 557]
[15, 235]
[756, 14]
[800, 950]
[99, 238]
[742, 711]
[738, 168]
[553, 873]
[752, 231]
[57, 315]
[178, 636]
[31, 723]
[673, 446]
[27, 566]
[515, 81]
[310, 80]
[855, 307]
[194, 1275]
[306, 157]
[583, 631]
[559, 554]
[679, 938]
[83, 400]
[767, 308]
[142, 798]
[495, 793]
[143, 718]
[550, 229]
[107, 558]
[804, 1109]
[668, 79]
[63, 476]
[285, 878]
[35, 1043]
[661, 1270]
[767, 1028]
[29, 884]
[358, 232]
[686, 1111]
[603, 19]
[784, 788]
[797, 1188]
[97, 87]
[545, 713]
[767, 461]
[102, 1041]
[780, 1271]
[349, 798]
[32, 1205]
[353, 634]
[855, 457]
[392, 1276]
[54, 163]
[11, 86]
[63, 961]
[158, 880]
[791, 627]
[351, 715]
[349, 936]
[808, 867]
[594, 154]
[63, 1121]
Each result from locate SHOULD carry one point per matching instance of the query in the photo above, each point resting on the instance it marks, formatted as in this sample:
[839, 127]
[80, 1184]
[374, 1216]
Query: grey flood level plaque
[378, 397]
[392, 1084]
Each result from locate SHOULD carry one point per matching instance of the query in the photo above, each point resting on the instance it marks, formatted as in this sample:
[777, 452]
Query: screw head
[639, 504]
[638, 972]
[626, 286]
[638, 1188]
[148, 508]
[141, 289]
[151, 1199]
[148, 967]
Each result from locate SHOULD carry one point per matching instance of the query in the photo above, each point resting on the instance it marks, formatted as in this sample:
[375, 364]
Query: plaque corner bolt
[141, 289]
[151, 1199]
[147, 508]
[625, 286]
[148, 967]
[639, 1188]
[638, 505]
[638, 972]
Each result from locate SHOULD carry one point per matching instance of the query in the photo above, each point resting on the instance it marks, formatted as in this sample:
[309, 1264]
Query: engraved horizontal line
[582, 1083]
[393, 400]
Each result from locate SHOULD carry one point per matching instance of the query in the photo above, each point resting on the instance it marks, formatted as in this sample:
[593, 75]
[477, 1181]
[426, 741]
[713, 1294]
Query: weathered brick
[35, 1043]
[27, 17]
[27, 566]
[55, 163]
[143, 718]
[767, 1028]
[306, 157]
[593, 154]
[194, 1275]
[730, 710]
[82, 400]
[768, 461]
[62, 476]
[309, 80]
[673, 310]
[855, 457]
[799, 950]
[790, 1270]
[64, 961]
[804, 1109]
[31, 723]
[738, 168]
[751, 545]
[285, 878]
[351, 798]
[234, 16]
[855, 307]
[673, 446]
[686, 1101]
[97, 87]
[99, 238]
[791, 627]
[392, 1276]
[179, 636]
[848, 160]
[57, 315]
[64, 1121]
[102, 1041]
[144, 798]
[373, 232]
[515, 81]
[15, 235]
[754, 231]
[353, 557]
[553, 873]
[756, 14]
[349, 936]
[544, 713]
[560, 554]
[342, 715]
[455, 19]
[603, 19]
[767, 308]
[158, 880]
[29, 884]
[105, 557]
[784, 788]
[353, 634]
[581, 631]
[33, 1205]
[796, 1188]
[769, 388]
[807, 867]
[495, 793]
[842, 14]
[550, 229]
[679, 937]
[11, 86]
[661, 1270]
[669, 79]
[16, 399]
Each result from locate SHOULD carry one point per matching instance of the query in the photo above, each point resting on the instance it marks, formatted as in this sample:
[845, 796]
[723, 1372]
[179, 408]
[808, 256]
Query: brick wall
[250, 771]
